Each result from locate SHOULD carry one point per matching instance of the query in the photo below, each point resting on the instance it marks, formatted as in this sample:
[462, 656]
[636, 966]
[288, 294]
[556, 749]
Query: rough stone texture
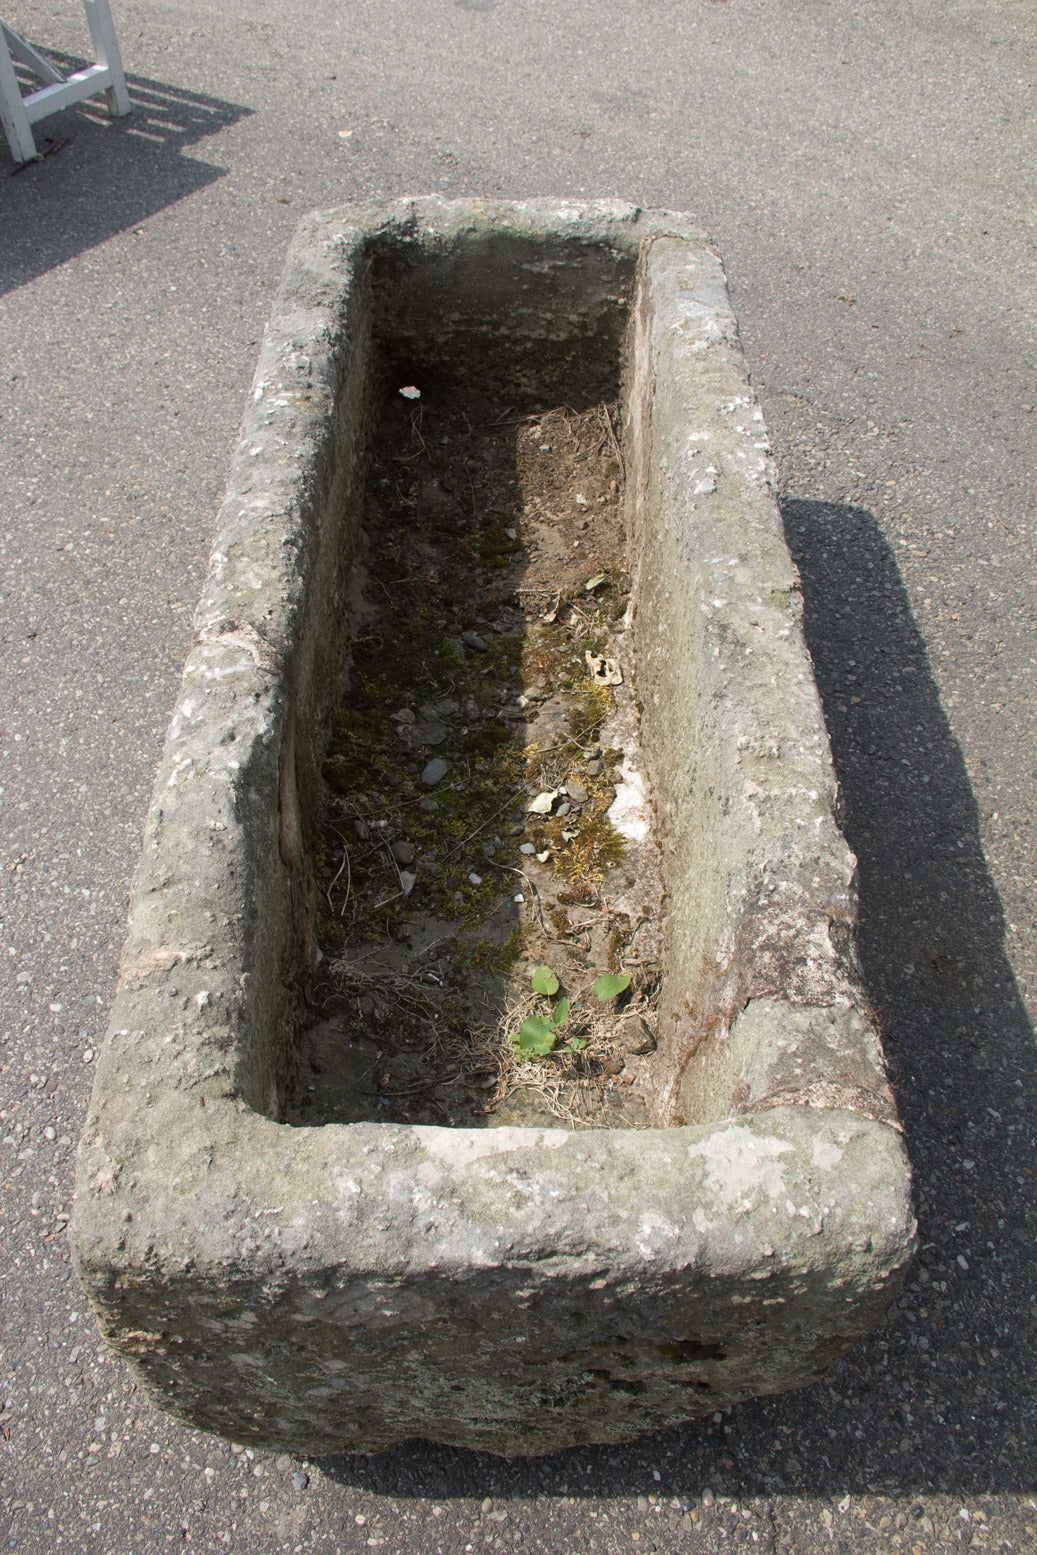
[346, 1287]
[762, 984]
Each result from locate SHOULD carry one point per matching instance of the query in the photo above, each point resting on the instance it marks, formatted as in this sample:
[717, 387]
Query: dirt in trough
[485, 806]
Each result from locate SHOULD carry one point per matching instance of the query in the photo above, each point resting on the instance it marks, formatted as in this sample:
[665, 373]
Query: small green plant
[545, 981]
[538, 1035]
[610, 986]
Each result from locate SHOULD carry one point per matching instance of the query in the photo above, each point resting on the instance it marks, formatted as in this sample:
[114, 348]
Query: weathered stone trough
[350, 1286]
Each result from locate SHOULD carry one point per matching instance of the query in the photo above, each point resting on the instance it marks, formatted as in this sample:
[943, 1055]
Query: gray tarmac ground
[868, 172]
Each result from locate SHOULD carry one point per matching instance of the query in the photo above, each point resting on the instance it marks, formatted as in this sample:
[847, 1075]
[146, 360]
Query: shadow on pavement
[101, 175]
[944, 1397]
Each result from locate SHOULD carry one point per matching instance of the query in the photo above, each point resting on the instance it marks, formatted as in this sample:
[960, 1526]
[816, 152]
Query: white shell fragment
[604, 672]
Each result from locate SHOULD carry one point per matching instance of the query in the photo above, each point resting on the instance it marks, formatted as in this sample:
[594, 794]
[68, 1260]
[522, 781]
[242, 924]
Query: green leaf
[535, 1037]
[544, 981]
[561, 1014]
[575, 1045]
[609, 986]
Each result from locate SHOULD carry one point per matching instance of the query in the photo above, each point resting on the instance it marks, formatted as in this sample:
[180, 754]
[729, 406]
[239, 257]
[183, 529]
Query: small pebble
[577, 793]
[403, 852]
[475, 879]
[434, 772]
[473, 640]
[634, 1035]
[428, 732]
[300, 1480]
[594, 767]
[527, 847]
[361, 829]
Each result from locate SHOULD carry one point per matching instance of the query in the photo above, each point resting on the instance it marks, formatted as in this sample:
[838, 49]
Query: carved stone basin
[345, 1287]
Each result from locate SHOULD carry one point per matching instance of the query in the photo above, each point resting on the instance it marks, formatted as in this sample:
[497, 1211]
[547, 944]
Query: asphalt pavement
[867, 171]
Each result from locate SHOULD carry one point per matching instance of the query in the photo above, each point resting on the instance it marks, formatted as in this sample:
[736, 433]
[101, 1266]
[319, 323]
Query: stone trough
[345, 1287]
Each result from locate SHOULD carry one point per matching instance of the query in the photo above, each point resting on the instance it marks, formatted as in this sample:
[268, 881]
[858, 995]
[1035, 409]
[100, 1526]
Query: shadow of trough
[101, 175]
[944, 1397]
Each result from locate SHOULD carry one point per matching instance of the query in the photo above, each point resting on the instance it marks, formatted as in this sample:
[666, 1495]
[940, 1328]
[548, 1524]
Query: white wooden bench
[18, 114]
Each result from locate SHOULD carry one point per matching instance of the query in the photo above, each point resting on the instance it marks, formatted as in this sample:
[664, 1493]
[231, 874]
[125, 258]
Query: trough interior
[554, 322]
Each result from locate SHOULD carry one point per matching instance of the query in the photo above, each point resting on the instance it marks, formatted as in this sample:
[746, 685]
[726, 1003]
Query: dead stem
[482, 826]
[606, 413]
[530, 884]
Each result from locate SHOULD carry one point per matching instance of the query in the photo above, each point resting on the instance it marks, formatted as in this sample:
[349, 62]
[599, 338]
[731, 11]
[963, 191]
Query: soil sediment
[486, 808]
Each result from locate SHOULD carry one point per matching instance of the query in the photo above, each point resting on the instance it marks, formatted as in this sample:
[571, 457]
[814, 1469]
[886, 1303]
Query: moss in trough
[472, 650]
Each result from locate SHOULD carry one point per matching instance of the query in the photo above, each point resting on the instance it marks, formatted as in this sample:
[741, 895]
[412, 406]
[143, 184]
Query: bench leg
[12, 112]
[106, 47]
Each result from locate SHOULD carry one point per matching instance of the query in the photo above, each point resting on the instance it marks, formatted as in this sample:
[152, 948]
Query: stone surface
[346, 1287]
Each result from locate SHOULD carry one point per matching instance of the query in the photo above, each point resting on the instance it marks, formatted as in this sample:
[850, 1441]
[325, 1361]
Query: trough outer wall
[348, 1287]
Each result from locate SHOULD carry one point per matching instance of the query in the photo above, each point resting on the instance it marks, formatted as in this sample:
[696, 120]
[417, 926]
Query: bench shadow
[943, 1397]
[101, 175]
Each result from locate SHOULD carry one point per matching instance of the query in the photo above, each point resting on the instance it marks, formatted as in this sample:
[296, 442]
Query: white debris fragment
[604, 672]
[630, 812]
